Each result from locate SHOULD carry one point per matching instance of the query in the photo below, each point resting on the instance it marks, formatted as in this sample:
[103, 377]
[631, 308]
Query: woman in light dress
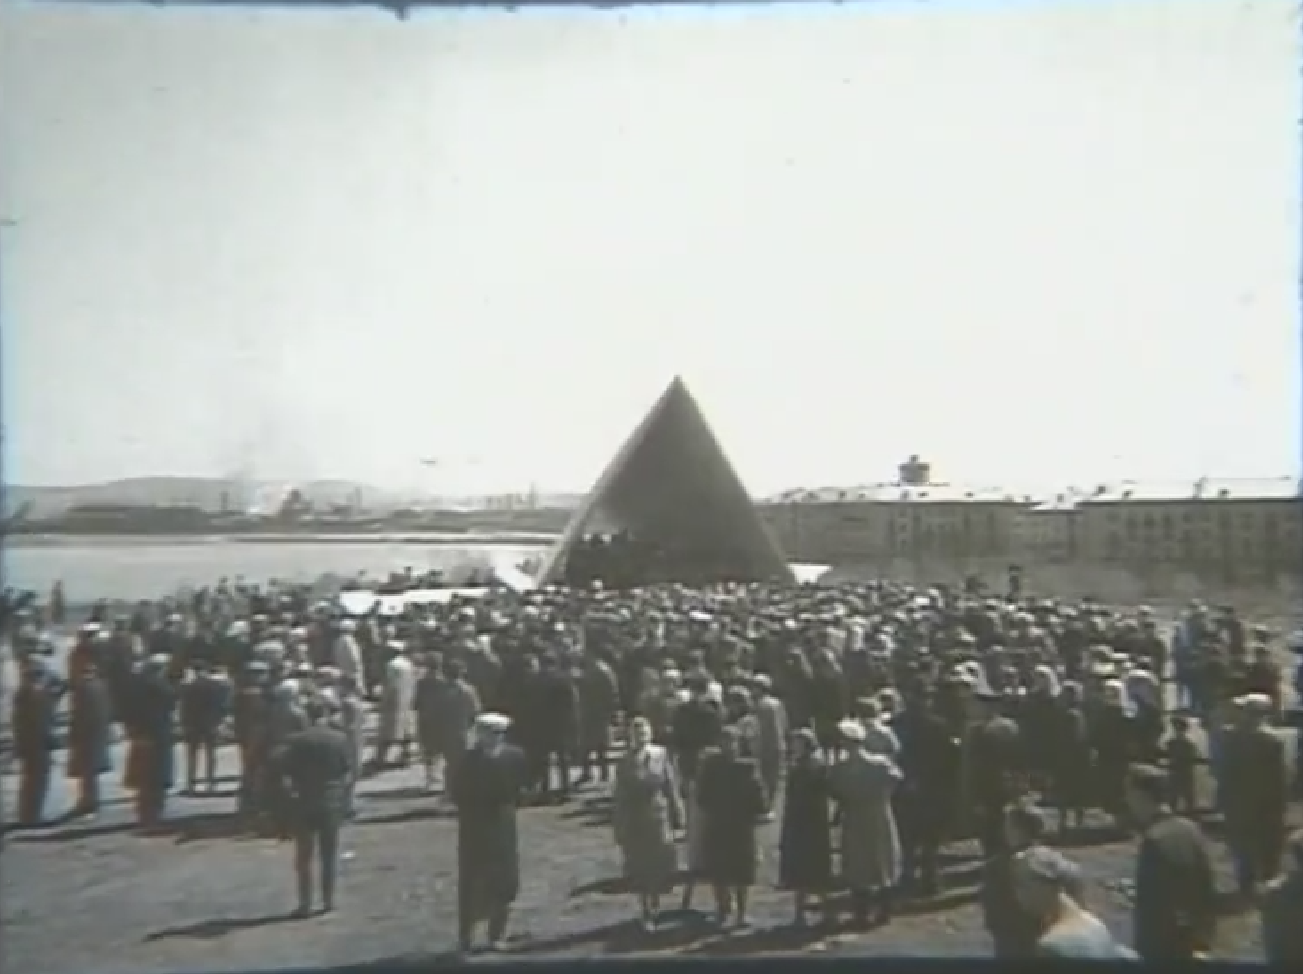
[648, 814]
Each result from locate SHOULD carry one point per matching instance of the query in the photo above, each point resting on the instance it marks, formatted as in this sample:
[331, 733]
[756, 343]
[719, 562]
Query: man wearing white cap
[486, 788]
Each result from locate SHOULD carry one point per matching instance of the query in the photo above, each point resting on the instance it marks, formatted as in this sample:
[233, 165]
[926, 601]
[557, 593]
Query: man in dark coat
[996, 759]
[35, 704]
[90, 719]
[558, 723]
[205, 700]
[929, 758]
[150, 763]
[1254, 792]
[251, 719]
[486, 788]
[600, 699]
[446, 708]
[1175, 894]
[316, 766]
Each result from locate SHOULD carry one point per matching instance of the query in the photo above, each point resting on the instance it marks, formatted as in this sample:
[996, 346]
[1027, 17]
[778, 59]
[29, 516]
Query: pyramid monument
[671, 483]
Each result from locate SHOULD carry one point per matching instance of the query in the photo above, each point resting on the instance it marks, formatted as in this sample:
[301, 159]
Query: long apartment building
[897, 520]
[1227, 526]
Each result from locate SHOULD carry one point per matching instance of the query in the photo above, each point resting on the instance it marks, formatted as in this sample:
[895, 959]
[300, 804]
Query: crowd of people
[879, 721]
[626, 559]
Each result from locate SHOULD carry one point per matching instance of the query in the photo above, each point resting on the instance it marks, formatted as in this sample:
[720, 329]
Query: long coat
[397, 702]
[871, 852]
[731, 798]
[805, 844]
[89, 734]
[150, 760]
[486, 788]
[647, 812]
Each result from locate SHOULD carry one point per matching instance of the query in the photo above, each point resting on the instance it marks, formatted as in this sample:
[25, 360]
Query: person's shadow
[219, 927]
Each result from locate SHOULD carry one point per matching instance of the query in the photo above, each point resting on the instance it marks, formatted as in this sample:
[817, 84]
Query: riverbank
[460, 538]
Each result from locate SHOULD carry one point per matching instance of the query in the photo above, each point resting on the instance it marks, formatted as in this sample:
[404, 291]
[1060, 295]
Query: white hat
[852, 730]
[493, 722]
[1255, 702]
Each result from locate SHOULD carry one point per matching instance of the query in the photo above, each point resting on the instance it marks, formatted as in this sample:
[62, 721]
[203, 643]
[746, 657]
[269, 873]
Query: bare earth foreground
[97, 896]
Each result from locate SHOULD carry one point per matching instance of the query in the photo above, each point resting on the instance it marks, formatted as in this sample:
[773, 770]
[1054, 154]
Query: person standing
[150, 765]
[89, 736]
[1255, 793]
[871, 855]
[205, 700]
[994, 767]
[1175, 900]
[805, 842]
[486, 788]
[251, 719]
[732, 801]
[648, 812]
[352, 721]
[315, 766]
[35, 703]
[929, 760]
[397, 707]
[696, 728]
[771, 738]
[599, 701]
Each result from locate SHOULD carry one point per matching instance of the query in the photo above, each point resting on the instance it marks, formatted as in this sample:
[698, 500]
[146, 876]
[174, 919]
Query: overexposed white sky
[1040, 244]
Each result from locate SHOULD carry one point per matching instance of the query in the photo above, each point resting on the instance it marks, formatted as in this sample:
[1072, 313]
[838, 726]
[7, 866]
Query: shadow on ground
[219, 927]
[182, 829]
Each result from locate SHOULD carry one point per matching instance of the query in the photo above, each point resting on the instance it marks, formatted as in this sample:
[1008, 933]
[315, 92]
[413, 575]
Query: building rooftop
[899, 493]
[1207, 488]
[1060, 502]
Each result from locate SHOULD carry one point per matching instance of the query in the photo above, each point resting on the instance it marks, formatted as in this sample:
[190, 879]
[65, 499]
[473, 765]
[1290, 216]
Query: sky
[1039, 244]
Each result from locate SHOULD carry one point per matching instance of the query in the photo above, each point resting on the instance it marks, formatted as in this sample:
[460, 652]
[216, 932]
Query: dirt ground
[99, 896]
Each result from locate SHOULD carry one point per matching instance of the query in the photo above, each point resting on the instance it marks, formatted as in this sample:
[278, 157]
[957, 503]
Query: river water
[143, 569]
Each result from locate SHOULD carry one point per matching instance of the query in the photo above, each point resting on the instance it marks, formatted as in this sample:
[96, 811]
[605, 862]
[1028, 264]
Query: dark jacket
[317, 765]
[486, 788]
[35, 706]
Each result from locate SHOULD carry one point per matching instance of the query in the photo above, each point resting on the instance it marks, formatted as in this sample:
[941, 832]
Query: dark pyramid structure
[671, 484]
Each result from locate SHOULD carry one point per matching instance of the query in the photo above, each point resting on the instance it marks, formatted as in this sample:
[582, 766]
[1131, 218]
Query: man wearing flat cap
[486, 788]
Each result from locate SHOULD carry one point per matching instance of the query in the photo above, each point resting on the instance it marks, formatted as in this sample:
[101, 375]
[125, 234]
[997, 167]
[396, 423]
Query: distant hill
[212, 494]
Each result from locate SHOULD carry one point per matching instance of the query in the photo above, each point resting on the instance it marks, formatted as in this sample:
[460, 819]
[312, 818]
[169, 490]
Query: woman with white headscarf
[871, 854]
